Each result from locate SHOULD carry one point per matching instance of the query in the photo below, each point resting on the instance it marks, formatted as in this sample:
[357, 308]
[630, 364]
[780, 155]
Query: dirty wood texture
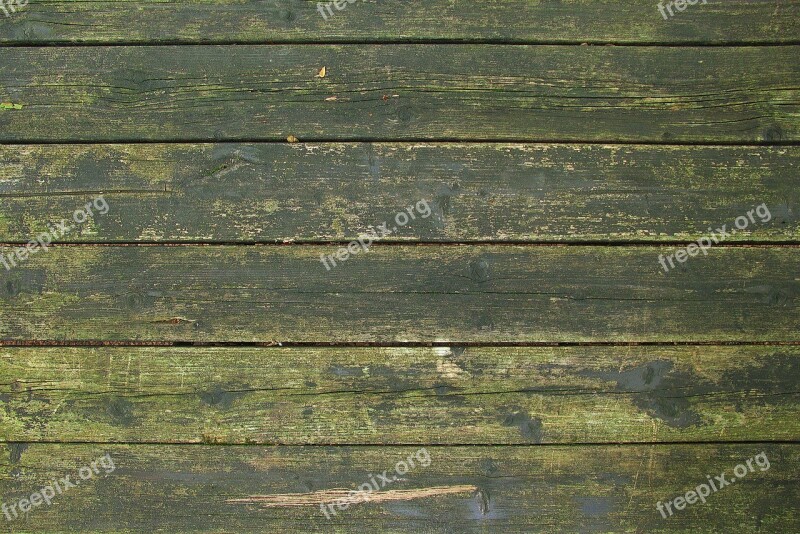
[399, 294]
[402, 92]
[523, 333]
[339, 191]
[300, 21]
[394, 395]
[169, 488]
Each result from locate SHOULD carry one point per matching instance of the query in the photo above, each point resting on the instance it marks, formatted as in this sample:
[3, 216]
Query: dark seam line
[434, 142]
[373, 140]
[405, 444]
[376, 42]
[793, 243]
[387, 344]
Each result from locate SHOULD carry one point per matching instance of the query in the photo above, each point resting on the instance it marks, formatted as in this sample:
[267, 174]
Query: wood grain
[519, 489]
[369, 395]
[400, 294]
[524, 336]
[254, 21]
[401, 92]
[337, 191]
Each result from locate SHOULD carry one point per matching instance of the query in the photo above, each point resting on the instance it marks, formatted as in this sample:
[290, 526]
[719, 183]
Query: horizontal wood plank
[445, 395]
[401, 92]
[338, 191]
[254, 21]
[449, 489]
[400, 294]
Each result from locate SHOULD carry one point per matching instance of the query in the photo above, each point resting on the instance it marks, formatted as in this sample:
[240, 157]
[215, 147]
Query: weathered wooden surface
[254, 21]
[402, 92]
[502, 333]
[517, 489]
[368, 395]
[399, 294]
[337, 191]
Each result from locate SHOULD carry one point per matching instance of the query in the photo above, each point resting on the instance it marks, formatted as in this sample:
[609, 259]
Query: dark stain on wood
[530, 428]
[15, 451]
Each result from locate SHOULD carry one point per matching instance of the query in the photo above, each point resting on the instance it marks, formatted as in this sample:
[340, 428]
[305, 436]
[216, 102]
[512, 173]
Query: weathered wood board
[522, 329]
[393, 395]
[300, 21]
[402, 92]
[400, 294]
[338, 191]
[163, 488]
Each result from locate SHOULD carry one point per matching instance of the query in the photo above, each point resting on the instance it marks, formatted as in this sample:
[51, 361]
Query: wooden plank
[516, 489]
[252, 21]
[400, 294]
[337, 192]
[445, 395]
[401, 92]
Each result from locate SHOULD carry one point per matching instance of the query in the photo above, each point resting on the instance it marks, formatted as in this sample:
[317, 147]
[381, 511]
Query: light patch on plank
[345, 496]
[449, 369]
